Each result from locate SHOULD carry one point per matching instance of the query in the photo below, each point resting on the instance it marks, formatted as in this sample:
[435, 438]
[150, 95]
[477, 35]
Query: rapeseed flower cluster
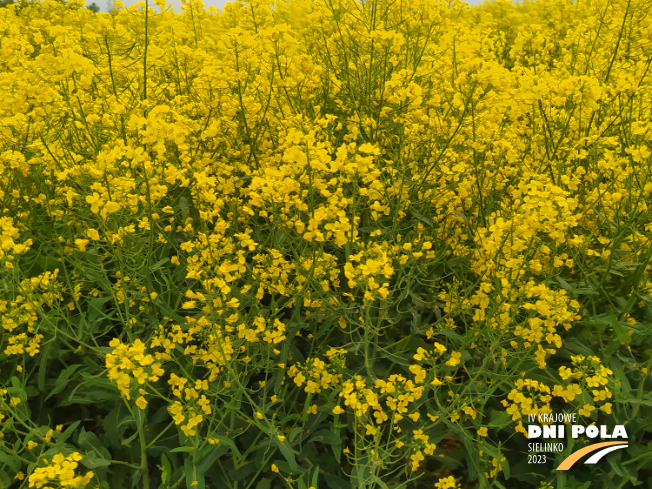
[589, 375]
[529, 397]
[129, 363]
[60, 471]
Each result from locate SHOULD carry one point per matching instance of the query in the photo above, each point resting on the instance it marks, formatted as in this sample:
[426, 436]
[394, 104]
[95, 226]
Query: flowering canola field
[323, 243]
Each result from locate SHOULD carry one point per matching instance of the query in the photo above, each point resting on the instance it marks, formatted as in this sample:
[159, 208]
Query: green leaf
[415, 324]
[167, 470]
[208, 461]
[452, 335]
[95, 308]
[565, 284]
[421, 217]
[43, 370]
[499, 419]
[326, 436]
[95, 463]
[633, 401]
[159, 264]
[294, 432]
[288, 453]
[337, 452]
[127, 442]
[135, 478]
[14, 463]
[91, 443]
[99, 381]
[279, 238]
[586, 291]
[399, 360]
[336, 482]
[315, 477]
[291, 417]
[264, 484]
[66, 434]
[506, 470]
[182, 449]
[464, 218]
[326, 326]
[192, 475]
[185, 207]
[471, 455]
[115, 422]
[614, 462]
[230, 443]
[62, 380]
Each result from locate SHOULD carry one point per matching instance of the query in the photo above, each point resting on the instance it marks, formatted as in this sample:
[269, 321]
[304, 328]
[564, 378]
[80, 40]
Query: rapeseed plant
[237, 245]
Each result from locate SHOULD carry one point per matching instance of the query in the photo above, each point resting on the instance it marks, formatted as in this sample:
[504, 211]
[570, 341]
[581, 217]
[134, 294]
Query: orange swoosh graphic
[574, 457]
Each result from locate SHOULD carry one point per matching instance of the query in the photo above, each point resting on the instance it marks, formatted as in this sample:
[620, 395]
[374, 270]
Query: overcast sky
[207, 3]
